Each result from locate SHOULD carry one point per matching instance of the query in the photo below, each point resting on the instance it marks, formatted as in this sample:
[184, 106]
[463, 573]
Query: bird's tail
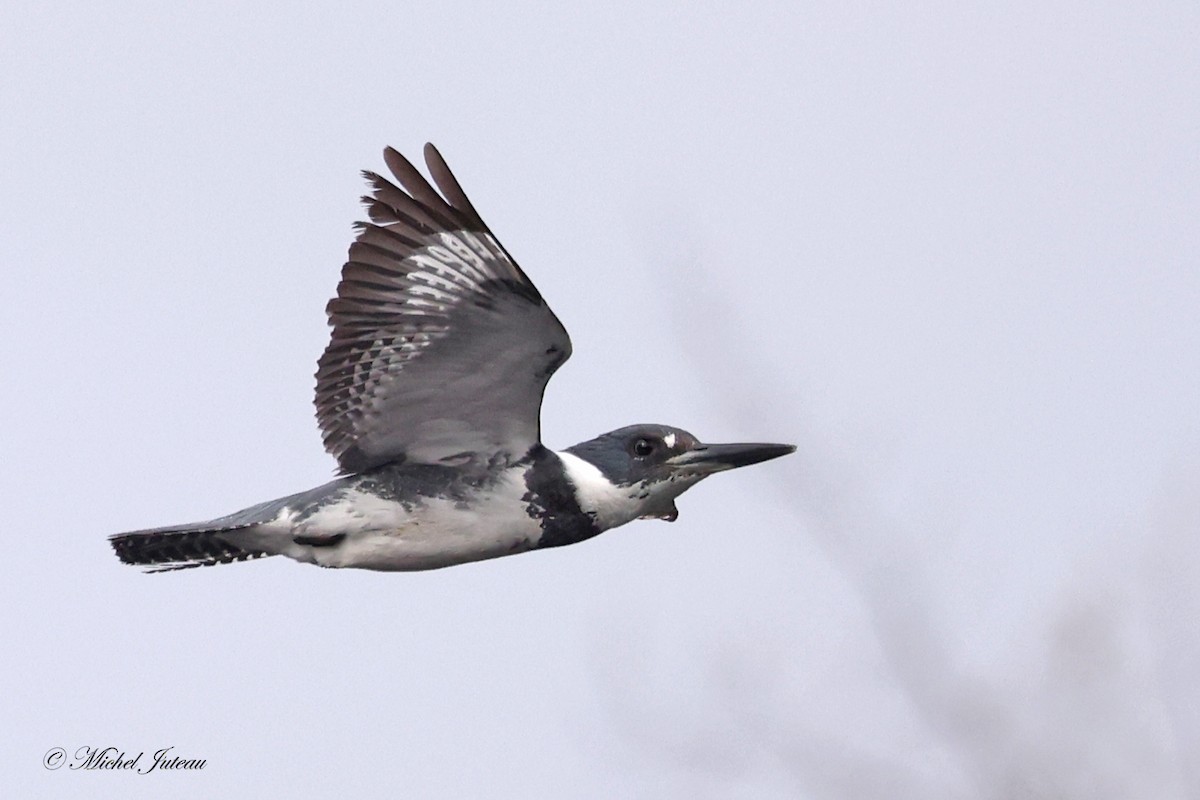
[183, 546]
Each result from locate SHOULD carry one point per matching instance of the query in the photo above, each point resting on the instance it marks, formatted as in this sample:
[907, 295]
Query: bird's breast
[390, 530]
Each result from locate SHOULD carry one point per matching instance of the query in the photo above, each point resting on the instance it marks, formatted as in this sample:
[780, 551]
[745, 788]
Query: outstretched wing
[441, 346]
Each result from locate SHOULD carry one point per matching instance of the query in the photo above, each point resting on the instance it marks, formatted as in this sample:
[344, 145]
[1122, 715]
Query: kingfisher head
[636, 472]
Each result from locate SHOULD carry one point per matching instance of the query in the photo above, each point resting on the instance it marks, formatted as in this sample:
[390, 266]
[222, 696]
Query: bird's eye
[643, 447]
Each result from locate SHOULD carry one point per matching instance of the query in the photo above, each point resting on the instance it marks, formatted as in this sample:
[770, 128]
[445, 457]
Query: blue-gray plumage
[429, 396]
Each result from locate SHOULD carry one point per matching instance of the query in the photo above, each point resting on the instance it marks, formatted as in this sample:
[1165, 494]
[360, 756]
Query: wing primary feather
[377, 254]
[435, 217]
[449, 185]
[369, 232]
[416, 185]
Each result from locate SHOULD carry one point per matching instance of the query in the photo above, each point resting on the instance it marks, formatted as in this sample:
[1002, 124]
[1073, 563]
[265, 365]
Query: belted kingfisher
[429, 396]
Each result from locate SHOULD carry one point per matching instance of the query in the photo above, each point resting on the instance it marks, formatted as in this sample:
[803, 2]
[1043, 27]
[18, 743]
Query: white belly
[383, 534]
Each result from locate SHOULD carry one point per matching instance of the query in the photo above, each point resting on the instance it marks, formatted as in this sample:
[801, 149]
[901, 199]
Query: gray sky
[951, 253]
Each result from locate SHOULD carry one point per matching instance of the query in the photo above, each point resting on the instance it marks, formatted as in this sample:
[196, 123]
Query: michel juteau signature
[112, 758]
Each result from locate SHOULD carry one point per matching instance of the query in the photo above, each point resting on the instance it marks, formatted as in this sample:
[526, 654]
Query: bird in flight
[429, 396]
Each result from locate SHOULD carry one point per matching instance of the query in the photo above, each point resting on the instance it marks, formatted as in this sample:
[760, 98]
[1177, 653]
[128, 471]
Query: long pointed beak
[706, 458]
